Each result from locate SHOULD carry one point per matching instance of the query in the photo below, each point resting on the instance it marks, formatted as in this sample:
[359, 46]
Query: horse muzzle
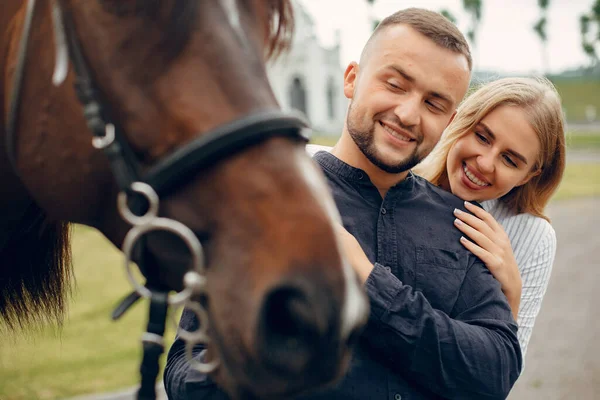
[300, 340]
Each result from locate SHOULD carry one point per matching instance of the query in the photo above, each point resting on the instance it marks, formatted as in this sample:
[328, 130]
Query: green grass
[580, 180]
[324, 140]
[583, 140]
[91, 353]
[577, 94]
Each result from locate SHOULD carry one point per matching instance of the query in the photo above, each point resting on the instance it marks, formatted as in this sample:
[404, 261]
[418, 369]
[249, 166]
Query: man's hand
[355, 254]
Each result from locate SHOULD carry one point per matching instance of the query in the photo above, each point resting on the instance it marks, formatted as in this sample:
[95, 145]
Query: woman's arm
[491, 244]
[536, 269]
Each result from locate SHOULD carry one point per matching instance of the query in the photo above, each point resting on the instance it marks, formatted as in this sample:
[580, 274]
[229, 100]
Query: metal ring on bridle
[177, 228]
[200, 366]
[101, 142]
[200, 335]
[148, 192]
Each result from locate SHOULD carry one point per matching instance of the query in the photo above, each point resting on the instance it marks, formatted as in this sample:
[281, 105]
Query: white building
[310, 78]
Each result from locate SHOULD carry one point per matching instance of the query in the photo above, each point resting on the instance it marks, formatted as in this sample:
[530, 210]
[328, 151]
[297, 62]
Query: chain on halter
[194, 281]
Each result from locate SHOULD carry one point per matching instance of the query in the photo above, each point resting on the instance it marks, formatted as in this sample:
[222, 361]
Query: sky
[506, 42]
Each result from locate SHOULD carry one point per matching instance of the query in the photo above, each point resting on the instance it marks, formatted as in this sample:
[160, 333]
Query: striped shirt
[533, 241]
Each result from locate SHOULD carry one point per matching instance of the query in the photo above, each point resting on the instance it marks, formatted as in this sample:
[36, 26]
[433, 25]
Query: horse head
[170, 79]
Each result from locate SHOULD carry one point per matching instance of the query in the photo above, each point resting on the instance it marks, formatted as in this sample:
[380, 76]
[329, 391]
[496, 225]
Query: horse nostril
[288, 314]
[289, 329]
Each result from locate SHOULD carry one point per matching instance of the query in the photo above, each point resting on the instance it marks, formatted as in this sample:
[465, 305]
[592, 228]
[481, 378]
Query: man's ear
[350, 77]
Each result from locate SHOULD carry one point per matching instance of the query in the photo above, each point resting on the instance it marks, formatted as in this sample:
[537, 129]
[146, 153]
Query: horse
[153, 121]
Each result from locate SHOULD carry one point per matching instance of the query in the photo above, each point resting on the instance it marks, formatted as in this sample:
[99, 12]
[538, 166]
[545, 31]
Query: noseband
[160, 180]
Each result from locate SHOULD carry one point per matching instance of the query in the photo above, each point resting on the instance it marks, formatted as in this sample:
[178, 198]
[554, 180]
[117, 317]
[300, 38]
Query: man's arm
[473, 355]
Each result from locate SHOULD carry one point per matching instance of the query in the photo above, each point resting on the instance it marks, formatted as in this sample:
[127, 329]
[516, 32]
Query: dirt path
[563, 360]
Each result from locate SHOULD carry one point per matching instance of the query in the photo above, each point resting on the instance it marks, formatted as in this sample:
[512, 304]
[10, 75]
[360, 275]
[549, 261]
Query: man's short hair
[432, 25]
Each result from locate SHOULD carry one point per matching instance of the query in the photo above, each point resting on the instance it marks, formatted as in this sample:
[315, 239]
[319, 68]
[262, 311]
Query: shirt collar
[348, 172]
[340, 168]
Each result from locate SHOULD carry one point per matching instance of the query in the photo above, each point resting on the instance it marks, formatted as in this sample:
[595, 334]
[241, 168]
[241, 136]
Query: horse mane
[36, 271]
[180, 21]
[281, 27]
[280, 24]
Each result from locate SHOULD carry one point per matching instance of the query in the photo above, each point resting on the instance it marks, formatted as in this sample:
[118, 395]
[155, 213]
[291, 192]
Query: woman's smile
[495, 156]
[473, 179]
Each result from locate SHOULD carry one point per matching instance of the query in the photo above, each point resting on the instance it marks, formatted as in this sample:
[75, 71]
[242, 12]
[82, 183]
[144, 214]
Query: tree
[373, 21]
[590, 32]
[540, 29]
[474, 8]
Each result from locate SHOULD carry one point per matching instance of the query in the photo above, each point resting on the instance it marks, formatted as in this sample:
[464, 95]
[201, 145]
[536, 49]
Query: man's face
[403, 95]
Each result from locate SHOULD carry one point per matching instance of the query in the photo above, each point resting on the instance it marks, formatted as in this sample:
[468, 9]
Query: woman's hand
[354, 253]
[490, 243]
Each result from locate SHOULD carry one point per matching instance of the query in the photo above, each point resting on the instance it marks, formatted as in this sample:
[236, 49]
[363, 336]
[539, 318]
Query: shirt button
[383, 211]
[388, 269]
[397, 396]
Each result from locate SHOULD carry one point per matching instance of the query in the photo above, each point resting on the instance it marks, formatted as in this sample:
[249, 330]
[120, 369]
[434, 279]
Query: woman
[505, 148]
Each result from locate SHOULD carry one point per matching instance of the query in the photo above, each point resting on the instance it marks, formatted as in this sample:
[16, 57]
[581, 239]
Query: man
[440, 326]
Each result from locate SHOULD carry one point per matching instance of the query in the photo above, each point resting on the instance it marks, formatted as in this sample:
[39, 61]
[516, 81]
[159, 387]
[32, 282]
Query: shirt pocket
[439, 276]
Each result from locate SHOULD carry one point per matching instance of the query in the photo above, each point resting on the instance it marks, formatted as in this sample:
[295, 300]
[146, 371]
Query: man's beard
[365, 141]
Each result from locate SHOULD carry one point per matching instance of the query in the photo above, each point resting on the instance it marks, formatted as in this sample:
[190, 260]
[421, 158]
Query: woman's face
[496, 156]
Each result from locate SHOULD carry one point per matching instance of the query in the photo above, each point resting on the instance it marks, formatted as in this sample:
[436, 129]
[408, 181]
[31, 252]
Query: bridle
[139, 194]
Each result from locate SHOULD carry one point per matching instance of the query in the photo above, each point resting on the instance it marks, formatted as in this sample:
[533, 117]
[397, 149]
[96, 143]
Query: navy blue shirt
[439, 327]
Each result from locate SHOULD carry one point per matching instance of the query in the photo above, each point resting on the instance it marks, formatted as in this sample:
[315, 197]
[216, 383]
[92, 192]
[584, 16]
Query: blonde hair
[541, 103]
